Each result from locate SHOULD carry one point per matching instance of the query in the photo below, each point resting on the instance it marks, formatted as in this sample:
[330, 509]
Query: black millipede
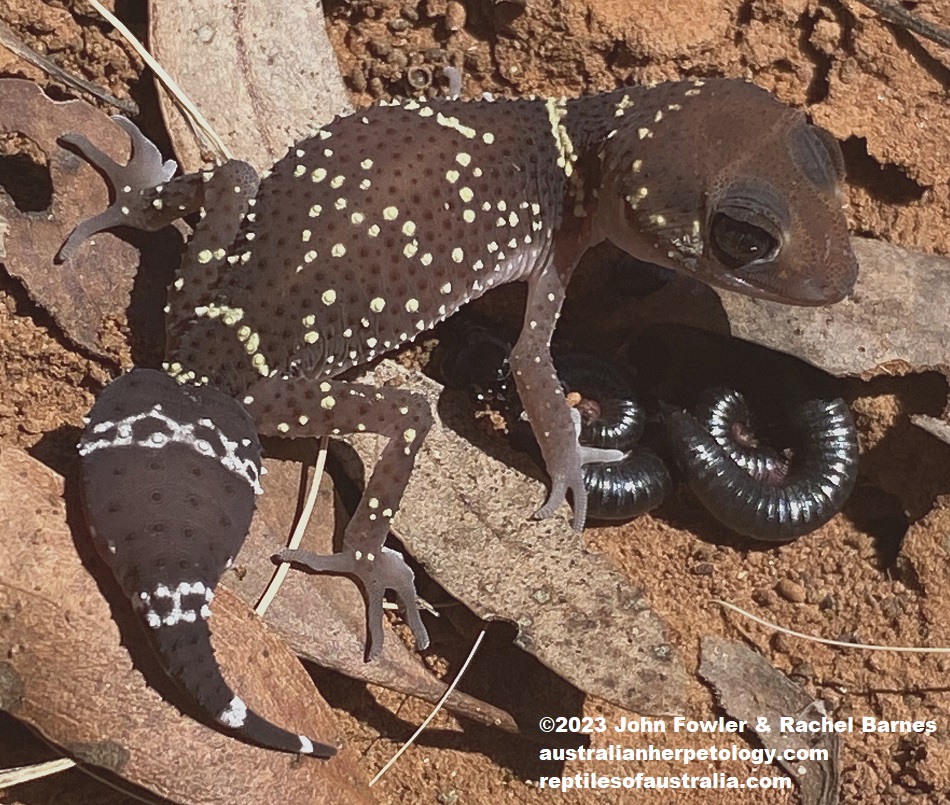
[612, 418]
[762, 493]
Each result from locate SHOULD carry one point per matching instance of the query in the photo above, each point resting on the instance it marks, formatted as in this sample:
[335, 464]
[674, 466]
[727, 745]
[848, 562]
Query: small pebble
[454, 16]
[791, 591]
[702, 569]
[398, 25]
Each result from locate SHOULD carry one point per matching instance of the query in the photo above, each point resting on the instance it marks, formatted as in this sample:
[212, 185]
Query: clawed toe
[145, 169]
[376, 573]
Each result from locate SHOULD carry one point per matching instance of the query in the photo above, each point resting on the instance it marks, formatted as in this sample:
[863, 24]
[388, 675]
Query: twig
[424, 724]
[25, 774]
[827, 641]
[18, 47]
[897, 14]
[281, 572]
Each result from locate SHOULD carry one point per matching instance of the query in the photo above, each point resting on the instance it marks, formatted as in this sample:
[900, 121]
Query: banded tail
[169, 477]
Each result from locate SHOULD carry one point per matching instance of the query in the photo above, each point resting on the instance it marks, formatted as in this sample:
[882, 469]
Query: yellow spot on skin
[463, 159]
[365, 184]
[252, 343]
[327, 403]
[502, 206]
[458, 255]
[205, 256]
[243, 332]
[446, 288]
[468, 216]
[466, 194]
[338, 250]
[373, 231]
[311, 336]
[283, 427]
[452, 176]
[390, 213]
[412, 305]
[328, 297]
[340, 203]
[513, 219]
[478, 265]
[357, 218]
[426, 259]
[310, 256]
[410, 249]
[658, 116]
[409, 434]
[377, 305]
[366, 164]
[303, 419]
[319, 175]
[325, 387]
[305, 235]
[373, 503]
[557, 109]
[409, 229]
[426, 111]
[454, 123]
[337, 181]
[488, 138]
[643, 133]
[315, 210]
[299, 171]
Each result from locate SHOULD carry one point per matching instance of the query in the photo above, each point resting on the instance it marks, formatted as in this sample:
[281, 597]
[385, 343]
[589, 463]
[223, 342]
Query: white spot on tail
[235, 714]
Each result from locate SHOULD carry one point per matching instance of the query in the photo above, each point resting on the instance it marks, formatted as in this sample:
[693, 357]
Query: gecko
[382, 224]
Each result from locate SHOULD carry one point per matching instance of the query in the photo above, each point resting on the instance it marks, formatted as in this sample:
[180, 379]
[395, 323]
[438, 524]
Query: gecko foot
[376, 574]
[558, 494]
[145, 169]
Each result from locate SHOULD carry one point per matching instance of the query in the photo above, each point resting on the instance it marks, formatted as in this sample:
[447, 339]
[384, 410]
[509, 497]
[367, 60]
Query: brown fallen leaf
[749, 688]
[325, 620]
[281, 78]
[66, 673]
[95, 284]
[465, 518]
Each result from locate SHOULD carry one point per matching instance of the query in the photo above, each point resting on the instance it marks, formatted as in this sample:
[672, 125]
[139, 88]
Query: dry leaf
[273, 75]
[748, 687]
[465, 518]
[323, 618]
[95, 284]
[66, 674]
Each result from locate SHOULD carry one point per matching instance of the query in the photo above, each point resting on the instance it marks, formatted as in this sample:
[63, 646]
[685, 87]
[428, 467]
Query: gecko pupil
[738, 243]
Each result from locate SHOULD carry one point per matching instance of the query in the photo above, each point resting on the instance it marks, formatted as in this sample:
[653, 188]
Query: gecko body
[385, 222]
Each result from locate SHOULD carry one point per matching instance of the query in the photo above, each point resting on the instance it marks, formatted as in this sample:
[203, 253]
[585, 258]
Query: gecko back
[169, 477]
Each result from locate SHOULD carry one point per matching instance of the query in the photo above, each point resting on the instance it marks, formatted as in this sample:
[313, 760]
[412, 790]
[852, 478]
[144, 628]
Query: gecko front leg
[302, 407]
[543, 397]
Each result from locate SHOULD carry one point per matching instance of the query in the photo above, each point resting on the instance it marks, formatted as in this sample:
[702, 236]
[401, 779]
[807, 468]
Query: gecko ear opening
[739, 243]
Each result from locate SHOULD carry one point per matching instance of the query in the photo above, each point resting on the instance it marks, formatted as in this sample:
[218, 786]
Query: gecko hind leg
[303, 407]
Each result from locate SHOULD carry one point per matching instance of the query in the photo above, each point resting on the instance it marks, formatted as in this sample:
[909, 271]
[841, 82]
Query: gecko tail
[185, 651]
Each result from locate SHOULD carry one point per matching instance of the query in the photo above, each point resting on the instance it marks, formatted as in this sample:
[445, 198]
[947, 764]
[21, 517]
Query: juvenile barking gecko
[371, 231]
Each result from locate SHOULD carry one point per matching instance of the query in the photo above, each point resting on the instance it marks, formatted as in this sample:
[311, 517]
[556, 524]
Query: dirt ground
[879, 573]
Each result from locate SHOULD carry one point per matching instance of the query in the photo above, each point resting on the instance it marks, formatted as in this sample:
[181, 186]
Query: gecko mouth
[805, 293]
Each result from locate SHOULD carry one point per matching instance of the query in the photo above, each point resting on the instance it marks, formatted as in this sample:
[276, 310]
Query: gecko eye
[739, 243]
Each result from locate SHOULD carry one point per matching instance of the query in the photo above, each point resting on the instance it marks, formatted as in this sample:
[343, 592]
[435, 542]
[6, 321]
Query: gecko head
[734, 188]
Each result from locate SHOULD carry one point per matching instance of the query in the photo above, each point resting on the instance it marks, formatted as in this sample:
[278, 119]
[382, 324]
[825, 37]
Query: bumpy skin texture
[752, 489]
[387, 221]
[169, 478]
